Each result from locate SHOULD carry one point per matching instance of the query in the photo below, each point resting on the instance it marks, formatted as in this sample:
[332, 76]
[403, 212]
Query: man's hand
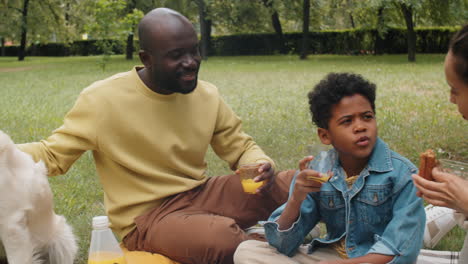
[267, 175]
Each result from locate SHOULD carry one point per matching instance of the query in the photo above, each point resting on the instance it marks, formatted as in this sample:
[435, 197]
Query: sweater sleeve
[230, 142]
[70, 141]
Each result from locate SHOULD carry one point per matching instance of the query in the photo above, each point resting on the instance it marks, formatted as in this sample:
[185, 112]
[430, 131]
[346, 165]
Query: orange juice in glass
[247, 173]
[106, 257]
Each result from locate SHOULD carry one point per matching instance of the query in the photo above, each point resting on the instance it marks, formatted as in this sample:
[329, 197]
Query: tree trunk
[411, 35]
[379, 43]
[208, 36]
[351, 18]
[24, 30]
[3, 46]
[129, 50]
[276, 23]
[131, 5]
[305, 29]
[204, 31]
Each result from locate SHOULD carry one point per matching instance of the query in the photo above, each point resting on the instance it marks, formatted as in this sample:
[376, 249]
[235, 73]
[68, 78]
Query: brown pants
[205, 225]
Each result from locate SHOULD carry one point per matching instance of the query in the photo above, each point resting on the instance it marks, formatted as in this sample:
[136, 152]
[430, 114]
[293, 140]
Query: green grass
[267, 92]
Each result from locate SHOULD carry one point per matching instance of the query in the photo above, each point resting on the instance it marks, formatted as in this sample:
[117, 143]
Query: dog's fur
[29, 229]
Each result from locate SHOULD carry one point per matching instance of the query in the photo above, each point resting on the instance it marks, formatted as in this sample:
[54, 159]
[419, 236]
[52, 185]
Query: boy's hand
[304, 163]
[304, 184]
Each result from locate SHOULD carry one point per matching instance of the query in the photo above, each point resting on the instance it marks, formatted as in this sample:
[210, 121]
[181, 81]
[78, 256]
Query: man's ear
[145, 58]
[324, 135]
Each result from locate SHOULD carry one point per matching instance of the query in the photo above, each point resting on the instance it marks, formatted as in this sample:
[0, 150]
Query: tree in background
[35, 22]
[6, 24]
[239, 16]
[205, 28]
[305, 30]
[130, 9]
[24, 30]
[276, 23]
[111, 23]
[41, 21]
[407, 8]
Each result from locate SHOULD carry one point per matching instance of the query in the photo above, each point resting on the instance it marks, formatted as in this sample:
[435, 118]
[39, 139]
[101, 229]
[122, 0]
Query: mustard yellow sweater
[146, 146]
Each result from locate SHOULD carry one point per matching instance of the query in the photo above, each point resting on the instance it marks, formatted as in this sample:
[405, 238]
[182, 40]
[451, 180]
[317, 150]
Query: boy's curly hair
[332, 89]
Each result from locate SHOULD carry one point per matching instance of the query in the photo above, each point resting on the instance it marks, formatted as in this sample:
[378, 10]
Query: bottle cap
[100, 221]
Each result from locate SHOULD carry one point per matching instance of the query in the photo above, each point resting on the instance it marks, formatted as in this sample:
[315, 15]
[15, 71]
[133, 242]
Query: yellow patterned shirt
[340, 246]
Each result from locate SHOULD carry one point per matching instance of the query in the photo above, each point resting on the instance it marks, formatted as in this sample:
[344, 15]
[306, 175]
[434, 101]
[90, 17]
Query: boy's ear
[324, 136]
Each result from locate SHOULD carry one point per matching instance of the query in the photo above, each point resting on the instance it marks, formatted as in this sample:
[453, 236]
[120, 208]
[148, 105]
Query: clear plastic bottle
[104, 248]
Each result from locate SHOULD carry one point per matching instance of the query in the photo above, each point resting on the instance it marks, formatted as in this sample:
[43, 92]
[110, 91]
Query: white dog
[29, 229]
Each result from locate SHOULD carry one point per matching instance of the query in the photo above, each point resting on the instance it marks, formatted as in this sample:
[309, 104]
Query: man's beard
[175, 84]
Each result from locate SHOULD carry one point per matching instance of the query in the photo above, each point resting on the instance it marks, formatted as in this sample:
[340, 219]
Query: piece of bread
[427, 161]
[323, 178]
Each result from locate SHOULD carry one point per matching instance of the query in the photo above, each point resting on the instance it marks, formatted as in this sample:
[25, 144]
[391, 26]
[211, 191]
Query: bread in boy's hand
[322, 178]
[427, 161]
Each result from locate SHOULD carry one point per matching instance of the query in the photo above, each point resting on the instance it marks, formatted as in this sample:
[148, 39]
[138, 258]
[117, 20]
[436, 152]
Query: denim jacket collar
[381, 160]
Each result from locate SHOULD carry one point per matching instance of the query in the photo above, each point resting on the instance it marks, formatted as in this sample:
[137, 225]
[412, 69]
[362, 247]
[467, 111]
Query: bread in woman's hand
[427, 162]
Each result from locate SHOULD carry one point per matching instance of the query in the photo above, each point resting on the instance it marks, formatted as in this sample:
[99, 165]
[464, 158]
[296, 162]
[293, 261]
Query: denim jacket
[380, 213]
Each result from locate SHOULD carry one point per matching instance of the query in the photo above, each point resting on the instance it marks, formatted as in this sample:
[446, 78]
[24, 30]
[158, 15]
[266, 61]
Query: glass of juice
[322, 163]
[247, 173]
[106, 257]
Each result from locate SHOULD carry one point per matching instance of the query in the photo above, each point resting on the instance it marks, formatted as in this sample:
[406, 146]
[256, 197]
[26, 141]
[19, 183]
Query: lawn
[267, 92]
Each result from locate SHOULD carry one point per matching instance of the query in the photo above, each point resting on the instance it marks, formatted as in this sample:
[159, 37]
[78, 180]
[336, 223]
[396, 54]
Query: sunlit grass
[267, 92]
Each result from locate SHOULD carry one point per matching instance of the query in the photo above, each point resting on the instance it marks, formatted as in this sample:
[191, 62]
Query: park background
[397, 44]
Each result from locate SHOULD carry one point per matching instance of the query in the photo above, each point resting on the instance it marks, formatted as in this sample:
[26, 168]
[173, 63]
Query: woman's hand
[447, 190]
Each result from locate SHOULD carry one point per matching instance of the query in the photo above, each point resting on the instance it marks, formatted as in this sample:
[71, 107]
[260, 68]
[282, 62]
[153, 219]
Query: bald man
[149, 130]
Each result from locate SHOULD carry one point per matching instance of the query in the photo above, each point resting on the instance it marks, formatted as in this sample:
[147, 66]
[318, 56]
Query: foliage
[66, 20]
[111, 22]
[239, 16]
[357, 41]
[48, 20]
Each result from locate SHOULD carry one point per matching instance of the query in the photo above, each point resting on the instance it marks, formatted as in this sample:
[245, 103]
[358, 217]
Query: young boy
[369, 204]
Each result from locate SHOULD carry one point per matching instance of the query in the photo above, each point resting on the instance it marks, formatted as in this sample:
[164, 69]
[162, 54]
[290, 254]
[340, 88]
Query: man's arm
[68, 142]
[231, 143]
